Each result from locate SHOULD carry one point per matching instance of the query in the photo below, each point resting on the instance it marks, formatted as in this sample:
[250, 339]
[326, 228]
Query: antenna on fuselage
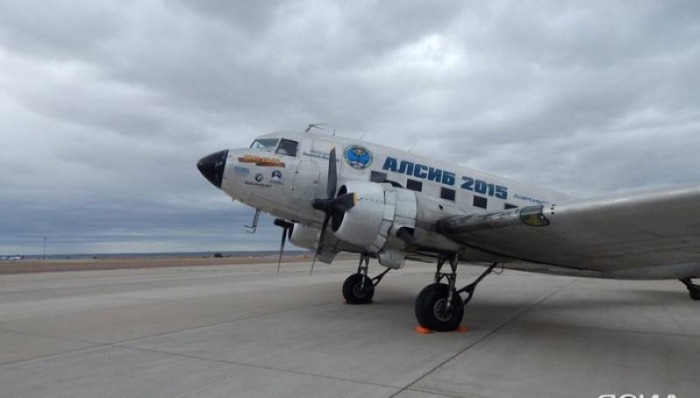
[314, 126]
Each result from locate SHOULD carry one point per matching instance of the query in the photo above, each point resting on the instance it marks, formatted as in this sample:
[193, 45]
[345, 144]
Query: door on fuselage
[306, 180]
[321, 151]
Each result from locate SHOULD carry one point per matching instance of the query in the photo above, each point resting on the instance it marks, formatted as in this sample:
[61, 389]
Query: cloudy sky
[106, 106]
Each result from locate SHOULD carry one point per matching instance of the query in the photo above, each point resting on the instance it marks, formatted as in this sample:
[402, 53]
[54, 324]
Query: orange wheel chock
[422, 330]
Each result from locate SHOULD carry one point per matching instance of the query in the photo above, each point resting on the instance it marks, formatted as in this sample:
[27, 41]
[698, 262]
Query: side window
[377, 176]
[414, 185]
[447, 193]
[287, 148]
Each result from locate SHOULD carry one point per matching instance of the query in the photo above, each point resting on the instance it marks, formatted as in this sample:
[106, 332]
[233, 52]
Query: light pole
[45, 238]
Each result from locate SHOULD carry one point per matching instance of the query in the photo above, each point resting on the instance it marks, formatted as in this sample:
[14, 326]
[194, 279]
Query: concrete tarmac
[242, 331]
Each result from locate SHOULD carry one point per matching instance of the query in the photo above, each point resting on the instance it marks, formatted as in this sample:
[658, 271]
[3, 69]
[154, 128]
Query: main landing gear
[359, 288]
[692, 288]
[440, 306]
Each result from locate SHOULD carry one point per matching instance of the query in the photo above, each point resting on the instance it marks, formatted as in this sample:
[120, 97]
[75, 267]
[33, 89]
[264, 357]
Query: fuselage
[284, 181]
[399, 198]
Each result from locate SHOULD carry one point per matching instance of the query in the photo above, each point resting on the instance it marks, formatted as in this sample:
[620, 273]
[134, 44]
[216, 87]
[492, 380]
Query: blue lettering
[468, 183]
[419, 171]
[390, 164]
[406, 167]
[448, 178]
[434, 174]
[501, 192]
[480, 187]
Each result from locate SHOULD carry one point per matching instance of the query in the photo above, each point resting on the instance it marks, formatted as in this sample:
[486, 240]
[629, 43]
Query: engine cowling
[304, 236]
[307, 237]
[383, 221]
[379, 211]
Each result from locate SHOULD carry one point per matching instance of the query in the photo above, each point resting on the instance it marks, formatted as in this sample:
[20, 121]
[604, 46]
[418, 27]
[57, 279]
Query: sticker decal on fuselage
[316, 154]
[358, 157]
[530, 199]
[263, 161]
[276, 177]
[241, 171]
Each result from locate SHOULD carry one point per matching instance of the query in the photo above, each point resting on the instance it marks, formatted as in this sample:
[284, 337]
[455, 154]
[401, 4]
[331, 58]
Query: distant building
[11, 258]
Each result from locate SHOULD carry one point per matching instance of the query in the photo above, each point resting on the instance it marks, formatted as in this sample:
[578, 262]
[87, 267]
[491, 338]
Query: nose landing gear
[358, 288]
[693, 289]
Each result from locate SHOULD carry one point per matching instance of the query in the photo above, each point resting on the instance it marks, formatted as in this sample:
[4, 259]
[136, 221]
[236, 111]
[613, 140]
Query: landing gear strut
[358, 288]
[692, 288]
[440, 306]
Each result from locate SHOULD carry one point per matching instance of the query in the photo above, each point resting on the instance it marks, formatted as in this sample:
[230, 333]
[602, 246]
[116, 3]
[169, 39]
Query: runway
[242, 331]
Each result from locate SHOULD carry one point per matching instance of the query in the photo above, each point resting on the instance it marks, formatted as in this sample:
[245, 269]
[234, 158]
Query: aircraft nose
[212, 167]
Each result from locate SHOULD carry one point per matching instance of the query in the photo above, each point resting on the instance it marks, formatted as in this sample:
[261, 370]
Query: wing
[609, 236]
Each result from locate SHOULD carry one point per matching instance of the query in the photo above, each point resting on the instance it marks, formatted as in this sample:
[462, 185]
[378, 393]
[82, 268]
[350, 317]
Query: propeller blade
[328, 205]
[284, 239]
[326, 220]
[311, 271]
[332, 175]
[286, 231]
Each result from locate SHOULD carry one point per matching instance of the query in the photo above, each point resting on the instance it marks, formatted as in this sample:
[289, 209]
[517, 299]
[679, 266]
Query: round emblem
[258, 177]
[358, 157]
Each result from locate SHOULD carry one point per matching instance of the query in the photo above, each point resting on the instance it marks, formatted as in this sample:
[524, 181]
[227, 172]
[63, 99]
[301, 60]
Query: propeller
[332, 206]
[286, 232]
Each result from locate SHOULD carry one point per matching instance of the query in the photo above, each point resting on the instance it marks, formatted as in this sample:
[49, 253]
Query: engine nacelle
[307, 237]
[379, 209]
[384, 221]
[363, 224]
[304, 236]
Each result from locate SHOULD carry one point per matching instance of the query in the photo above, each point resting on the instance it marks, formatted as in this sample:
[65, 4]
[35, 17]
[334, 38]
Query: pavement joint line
[484, 337]
[254, 366]
[4, 329]
[124, 343]
[56, 354]
[438, 394]
[604, 329]
[176, 331]
[231, 321]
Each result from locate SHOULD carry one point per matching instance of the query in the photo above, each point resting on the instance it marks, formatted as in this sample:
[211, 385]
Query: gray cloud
[105, 107]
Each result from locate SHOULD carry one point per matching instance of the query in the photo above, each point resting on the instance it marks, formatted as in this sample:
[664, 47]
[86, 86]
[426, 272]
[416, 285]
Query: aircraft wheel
[432, 312]
[694, 294]
[355, 293]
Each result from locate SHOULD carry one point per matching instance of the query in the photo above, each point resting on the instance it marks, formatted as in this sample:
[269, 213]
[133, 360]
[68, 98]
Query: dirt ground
[22, 266]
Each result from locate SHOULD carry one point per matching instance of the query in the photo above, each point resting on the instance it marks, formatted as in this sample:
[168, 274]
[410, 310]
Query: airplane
[335, 194]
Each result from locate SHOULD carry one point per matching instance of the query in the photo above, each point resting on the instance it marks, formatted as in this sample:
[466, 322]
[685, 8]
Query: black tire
[431, 312]
[694, 294]
[355, 293]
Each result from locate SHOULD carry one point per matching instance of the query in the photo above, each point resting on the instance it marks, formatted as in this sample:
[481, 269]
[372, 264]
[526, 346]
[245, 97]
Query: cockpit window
[267, 144]
[288, 148]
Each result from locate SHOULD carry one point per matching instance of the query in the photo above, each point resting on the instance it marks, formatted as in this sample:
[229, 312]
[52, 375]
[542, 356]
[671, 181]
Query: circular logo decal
[358, 157]
[258, 177]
